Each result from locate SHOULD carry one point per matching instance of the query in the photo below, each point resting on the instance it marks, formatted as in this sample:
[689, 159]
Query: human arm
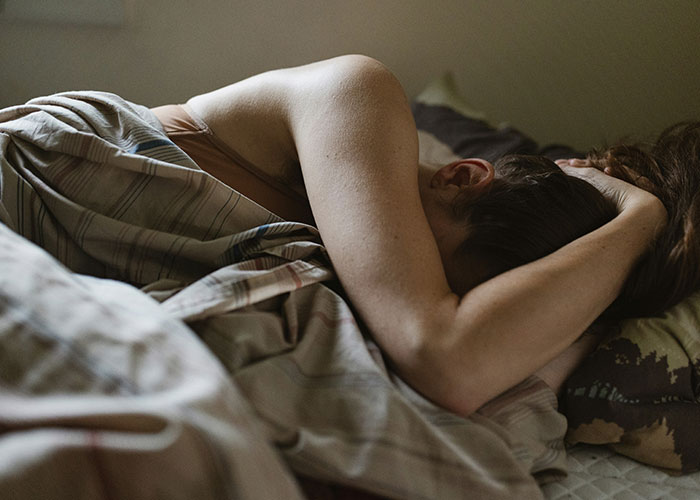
[524, 318]
[555, 373]
[352, 132]
[618, 171]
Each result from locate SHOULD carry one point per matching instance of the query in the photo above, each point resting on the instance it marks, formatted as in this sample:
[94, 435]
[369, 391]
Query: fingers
[634, 177]
[611, 181]
[618, 171]
[576, 162]
[587, 173]
[645, 184]
[578, 167]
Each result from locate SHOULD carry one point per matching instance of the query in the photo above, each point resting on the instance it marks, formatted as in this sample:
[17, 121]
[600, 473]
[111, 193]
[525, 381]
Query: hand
[618, 171]
[623, 186]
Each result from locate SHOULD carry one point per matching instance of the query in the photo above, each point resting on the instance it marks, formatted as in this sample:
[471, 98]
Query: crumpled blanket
[162, 336]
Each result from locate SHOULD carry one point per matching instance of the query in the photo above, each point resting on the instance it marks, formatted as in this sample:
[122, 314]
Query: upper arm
[349, 125]
[358, 150]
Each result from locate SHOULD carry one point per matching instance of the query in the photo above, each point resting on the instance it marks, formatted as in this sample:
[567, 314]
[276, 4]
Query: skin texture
[346, 125]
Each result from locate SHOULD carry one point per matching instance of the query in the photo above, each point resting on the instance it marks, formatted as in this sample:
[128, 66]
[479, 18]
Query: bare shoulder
[255, 116]
[346, 73]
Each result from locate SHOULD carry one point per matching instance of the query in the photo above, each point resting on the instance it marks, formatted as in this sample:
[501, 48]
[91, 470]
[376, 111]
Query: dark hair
[531, 209]
[671, 269]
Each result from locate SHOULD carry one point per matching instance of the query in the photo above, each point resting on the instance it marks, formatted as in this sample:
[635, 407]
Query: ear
[472, 173]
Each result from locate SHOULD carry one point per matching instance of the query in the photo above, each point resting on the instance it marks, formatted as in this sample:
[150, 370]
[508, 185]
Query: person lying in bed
[334, 144]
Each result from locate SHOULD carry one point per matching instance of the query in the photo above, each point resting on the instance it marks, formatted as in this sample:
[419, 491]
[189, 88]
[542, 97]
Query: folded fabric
[102, 392]
[92, 179]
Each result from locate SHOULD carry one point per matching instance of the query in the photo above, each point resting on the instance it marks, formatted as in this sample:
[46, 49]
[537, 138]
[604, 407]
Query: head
[488, 218]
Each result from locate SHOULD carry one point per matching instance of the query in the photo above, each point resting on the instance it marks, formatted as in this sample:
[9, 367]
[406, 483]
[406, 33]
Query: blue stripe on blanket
[150, 145]
[262, 230]
[242, 249]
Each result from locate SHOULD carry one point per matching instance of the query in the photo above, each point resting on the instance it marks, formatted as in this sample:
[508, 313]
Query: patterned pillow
[638, 392]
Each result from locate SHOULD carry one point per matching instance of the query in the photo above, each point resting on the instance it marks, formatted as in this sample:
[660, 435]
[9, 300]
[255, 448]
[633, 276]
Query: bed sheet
[598, 473]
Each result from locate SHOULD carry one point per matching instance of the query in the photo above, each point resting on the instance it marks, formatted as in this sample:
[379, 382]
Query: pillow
[638, 391]
[444, 113]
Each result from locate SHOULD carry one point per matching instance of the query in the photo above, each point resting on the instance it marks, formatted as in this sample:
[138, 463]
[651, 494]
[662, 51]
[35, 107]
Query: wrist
[647, 213]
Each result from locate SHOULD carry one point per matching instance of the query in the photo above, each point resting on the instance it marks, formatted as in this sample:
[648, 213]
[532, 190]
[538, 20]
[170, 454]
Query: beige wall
[568, 71]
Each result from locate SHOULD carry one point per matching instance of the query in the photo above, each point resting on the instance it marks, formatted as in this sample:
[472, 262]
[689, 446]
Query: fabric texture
[214, 156]
[104, 394]
[232, 368]
[638, 392]
[599, 473]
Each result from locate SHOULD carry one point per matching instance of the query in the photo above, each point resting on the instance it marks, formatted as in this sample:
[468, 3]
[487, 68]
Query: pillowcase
[443, 112]
[638, 391]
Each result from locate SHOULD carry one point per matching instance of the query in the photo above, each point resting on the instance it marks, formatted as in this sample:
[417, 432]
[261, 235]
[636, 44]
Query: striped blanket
[162, 336]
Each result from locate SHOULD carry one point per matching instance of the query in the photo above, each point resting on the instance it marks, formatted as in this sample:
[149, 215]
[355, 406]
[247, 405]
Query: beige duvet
[162, 336]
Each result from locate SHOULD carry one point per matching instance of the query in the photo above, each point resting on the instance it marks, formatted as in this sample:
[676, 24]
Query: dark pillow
[638, 391]
[444, 113]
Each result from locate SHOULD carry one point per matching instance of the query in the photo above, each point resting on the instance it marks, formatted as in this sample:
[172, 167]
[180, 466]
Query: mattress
[597, 473]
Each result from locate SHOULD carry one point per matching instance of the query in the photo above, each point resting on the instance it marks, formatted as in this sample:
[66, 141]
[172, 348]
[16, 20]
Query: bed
[165, 337]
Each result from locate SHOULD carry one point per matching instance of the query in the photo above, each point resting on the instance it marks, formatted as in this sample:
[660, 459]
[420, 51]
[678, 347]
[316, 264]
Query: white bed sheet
[598, 473]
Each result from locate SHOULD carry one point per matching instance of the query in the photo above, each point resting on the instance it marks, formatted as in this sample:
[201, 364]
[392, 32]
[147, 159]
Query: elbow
[453, 382]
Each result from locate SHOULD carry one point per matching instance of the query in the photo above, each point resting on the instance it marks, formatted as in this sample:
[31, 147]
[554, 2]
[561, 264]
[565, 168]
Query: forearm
[507, 328]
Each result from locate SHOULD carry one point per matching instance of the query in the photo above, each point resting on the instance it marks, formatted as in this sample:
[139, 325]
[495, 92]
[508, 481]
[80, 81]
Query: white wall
[568, 71]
